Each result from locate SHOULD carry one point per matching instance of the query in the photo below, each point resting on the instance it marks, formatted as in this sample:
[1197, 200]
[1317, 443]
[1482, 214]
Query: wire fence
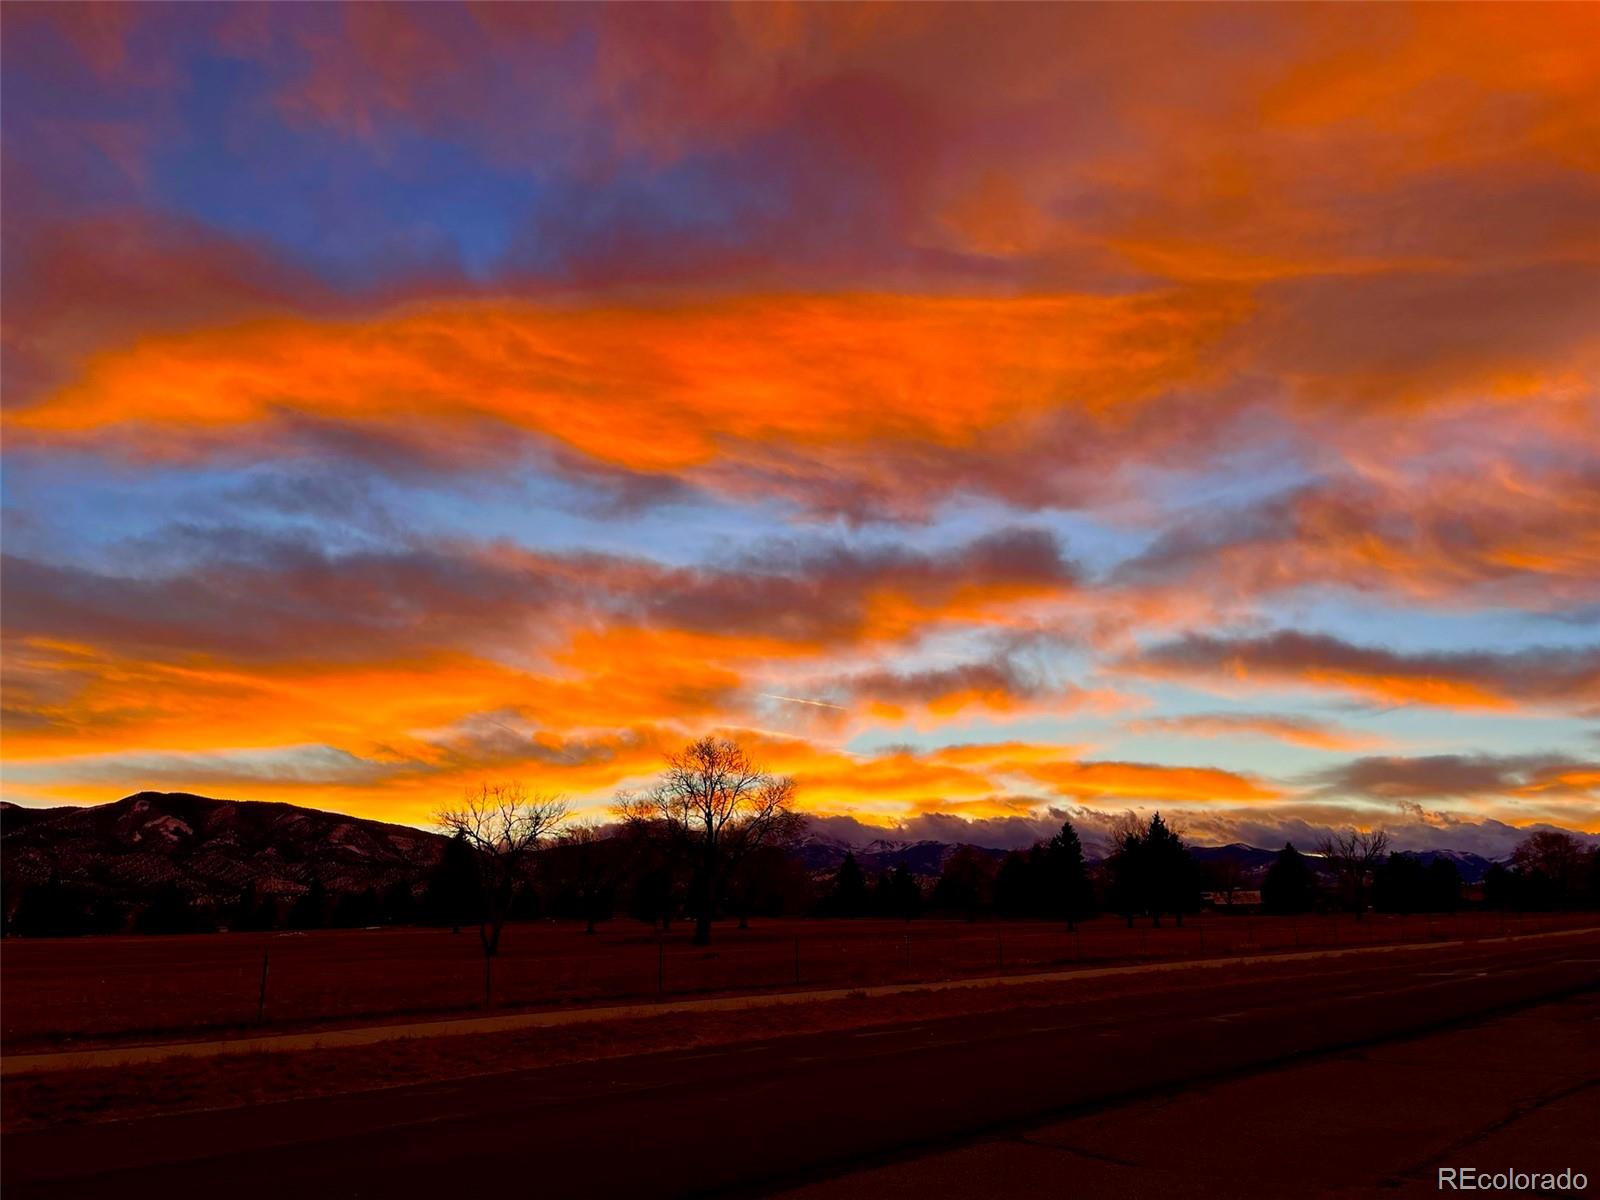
[85, 988]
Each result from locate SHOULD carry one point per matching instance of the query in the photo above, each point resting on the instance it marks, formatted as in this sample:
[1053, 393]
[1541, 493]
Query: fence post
[488, 977]
[261, 996]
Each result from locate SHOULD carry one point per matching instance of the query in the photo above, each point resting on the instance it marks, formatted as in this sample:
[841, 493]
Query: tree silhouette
[310, 909]
[1552, 867]
[964, 886]
[1501, 888]
[587, 866]
[1400, 885]
[716, 803]
[52, 909]
[1013, 887]
[1128, 865]
[1068, 893]
[1289, 886]
[1170, 871]
[898, 894]
[1354, 856]
[1444, 885]
[503, 826]
[849, 895]
[451, 897]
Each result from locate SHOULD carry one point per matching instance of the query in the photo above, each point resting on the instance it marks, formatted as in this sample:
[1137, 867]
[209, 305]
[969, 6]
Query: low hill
[206, 851]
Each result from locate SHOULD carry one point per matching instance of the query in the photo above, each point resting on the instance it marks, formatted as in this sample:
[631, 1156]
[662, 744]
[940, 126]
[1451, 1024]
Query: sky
[989, 415]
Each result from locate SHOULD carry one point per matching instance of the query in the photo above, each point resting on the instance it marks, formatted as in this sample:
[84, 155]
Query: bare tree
[1353, 856]
[504, 825]
[716, 803]
[1552, 864]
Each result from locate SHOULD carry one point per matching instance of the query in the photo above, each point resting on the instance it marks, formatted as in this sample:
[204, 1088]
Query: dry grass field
[67, 990]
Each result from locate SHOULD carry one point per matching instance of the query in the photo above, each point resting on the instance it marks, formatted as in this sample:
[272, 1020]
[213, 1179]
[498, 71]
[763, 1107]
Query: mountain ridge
[207, 848]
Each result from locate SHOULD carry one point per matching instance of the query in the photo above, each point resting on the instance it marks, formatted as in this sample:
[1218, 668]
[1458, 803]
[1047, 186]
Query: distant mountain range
[1253, 862]
[820, 853]
[214, 850]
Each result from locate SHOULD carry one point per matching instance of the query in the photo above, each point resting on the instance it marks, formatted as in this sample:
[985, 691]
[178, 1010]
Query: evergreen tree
[452, 892]
[1289, 886]
[849, 895]
[1130, 875]
[1173, 878]
[1068, 893]
[905, 897]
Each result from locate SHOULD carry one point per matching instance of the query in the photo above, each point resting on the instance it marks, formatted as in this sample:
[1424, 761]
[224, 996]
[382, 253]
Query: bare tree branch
[1353, 855]
[715, 802]
[504, 824]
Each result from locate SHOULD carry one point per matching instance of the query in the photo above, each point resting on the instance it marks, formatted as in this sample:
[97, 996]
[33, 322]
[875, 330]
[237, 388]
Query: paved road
[1378, 1122]
[751, 1117]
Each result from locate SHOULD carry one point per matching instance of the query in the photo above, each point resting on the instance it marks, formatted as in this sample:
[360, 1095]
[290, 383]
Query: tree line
[715, 837]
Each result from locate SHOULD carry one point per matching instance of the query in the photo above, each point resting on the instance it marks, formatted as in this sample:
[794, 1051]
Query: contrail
[802, 700]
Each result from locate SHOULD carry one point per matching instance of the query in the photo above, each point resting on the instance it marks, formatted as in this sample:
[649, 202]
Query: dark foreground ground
[65, 991]
[1516, 1091]
[817, 1111]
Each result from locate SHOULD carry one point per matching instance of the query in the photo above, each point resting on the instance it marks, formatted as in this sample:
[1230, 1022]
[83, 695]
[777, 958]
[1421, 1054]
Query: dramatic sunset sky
[988, 414]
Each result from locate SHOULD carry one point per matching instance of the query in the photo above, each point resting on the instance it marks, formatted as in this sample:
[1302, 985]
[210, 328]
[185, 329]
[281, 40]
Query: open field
[57, 991]
[44, 1095]
[857, 1084]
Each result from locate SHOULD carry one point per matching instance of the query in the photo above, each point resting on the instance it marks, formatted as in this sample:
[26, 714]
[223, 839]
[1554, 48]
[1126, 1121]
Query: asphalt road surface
[751, 1117]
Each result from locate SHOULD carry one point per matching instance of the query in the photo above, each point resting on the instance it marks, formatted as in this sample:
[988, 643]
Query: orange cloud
[751, 384]
[1499, 534]
[1535, 678]
[1301, 731]
[1148, 783]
